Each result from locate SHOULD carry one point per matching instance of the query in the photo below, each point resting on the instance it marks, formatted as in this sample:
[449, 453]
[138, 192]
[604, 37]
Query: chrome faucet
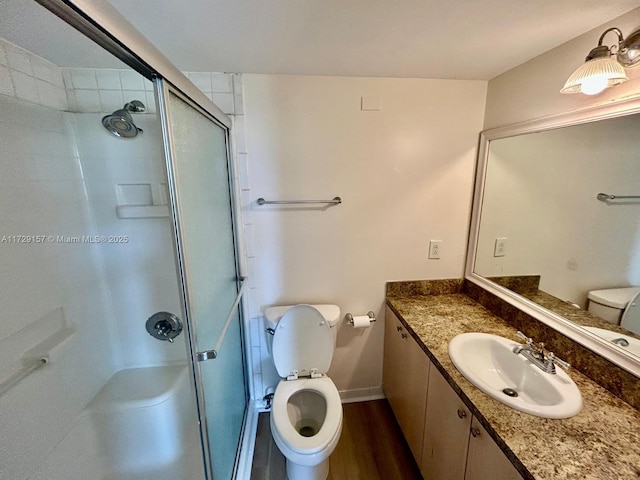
[538, 355]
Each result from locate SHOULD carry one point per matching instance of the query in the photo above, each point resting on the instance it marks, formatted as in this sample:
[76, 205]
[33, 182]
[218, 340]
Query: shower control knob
[164, 326]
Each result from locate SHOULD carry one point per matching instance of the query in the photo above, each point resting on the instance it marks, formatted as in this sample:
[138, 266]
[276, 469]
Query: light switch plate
[500, 248]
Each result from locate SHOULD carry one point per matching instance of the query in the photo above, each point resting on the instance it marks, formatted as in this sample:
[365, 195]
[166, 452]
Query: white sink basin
[489, 363]
[632, 344]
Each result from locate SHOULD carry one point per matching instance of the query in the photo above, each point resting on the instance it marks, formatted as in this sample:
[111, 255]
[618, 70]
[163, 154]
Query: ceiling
[462, 39]
[450, 39]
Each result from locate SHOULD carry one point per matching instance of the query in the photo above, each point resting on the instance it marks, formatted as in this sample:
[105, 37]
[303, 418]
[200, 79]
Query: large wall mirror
[556, 225]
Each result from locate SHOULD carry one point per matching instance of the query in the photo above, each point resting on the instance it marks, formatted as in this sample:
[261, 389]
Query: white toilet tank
[609, 304]
[331, 314]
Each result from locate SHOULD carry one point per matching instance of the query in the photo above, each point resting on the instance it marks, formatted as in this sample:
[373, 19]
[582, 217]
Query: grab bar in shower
[17, 377]
[211, 354]
[605, 197]
[262, 201]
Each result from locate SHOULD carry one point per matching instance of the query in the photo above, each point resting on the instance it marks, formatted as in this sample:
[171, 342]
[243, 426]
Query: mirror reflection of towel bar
[605, 197]
[262, 201]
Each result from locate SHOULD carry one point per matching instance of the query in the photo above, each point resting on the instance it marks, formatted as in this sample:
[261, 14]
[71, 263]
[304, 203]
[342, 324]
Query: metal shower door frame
[163, 89]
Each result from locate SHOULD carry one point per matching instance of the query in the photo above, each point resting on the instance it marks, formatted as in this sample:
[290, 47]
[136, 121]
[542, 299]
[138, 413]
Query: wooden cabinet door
[391, 360]
[404, 381]
[446, 432]
[485, 460]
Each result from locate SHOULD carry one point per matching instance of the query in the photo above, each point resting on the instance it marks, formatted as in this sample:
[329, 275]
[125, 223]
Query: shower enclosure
[121, 348]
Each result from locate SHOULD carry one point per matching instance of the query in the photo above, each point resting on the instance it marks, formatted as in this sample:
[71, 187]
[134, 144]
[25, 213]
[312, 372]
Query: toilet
[306, 412]
[620, 306]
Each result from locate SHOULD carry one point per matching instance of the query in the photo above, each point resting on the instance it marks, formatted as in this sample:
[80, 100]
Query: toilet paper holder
[371, 315]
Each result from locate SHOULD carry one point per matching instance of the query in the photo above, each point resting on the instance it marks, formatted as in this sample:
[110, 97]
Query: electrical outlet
[500, 249]
[435, 248]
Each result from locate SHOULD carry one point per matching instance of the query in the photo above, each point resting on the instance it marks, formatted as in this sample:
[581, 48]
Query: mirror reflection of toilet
[620, 306]
[306, 414]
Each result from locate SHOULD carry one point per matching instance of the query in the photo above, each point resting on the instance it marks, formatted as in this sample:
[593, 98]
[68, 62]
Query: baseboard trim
[361, 394]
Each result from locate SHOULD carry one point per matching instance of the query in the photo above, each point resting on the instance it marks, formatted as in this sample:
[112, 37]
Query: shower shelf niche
[142, 211]
[142, 200]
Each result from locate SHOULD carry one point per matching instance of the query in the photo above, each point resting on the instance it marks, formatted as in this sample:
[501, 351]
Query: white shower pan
[139, 426]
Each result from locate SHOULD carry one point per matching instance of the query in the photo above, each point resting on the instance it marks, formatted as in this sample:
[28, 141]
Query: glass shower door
[200, 186]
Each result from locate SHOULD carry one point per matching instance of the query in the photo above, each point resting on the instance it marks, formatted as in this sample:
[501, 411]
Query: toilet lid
[302, 341]
[631, 316]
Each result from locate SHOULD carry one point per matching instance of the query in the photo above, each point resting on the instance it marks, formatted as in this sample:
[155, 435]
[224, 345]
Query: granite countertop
[601, 442]
[576, 315]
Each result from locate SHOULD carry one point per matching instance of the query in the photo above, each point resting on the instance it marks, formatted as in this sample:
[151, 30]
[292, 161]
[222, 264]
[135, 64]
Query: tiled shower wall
[92, 90]
[104, 90]
[27, 77]
[99, 91]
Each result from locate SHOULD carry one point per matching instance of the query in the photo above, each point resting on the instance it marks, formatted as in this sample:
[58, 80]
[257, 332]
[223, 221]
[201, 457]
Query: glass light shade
[594, 76]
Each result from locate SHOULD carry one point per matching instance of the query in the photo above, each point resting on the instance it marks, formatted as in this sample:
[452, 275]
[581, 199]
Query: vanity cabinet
[445, 439]
[456, 445]
[446, 431]
[485, 460]
[405, 378]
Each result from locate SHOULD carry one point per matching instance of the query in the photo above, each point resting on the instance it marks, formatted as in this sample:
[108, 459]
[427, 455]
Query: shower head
[120, 122]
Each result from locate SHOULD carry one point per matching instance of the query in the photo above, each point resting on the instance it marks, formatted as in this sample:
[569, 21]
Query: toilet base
[302, 472]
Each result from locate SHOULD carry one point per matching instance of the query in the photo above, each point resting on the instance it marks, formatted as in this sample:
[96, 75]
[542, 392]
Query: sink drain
[510, 392]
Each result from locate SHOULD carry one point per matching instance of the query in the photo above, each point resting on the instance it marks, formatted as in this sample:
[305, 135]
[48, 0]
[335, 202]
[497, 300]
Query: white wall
[404, 174]
[532, 90]
[575, 242]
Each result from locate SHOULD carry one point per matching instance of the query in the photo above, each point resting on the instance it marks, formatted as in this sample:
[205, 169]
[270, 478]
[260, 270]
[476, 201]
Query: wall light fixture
[603, 66]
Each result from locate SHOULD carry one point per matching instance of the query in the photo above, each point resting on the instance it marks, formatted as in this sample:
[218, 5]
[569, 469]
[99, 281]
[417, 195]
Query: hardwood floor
[371, 447]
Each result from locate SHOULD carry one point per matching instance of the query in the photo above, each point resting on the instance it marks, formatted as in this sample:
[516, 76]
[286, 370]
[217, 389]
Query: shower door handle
[206, 355]
[213, 353]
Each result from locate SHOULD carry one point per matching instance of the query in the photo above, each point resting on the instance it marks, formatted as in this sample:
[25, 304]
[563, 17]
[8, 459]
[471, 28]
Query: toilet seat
[331, 427]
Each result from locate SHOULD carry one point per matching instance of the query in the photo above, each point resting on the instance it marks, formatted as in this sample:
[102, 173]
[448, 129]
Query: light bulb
[593, 85]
